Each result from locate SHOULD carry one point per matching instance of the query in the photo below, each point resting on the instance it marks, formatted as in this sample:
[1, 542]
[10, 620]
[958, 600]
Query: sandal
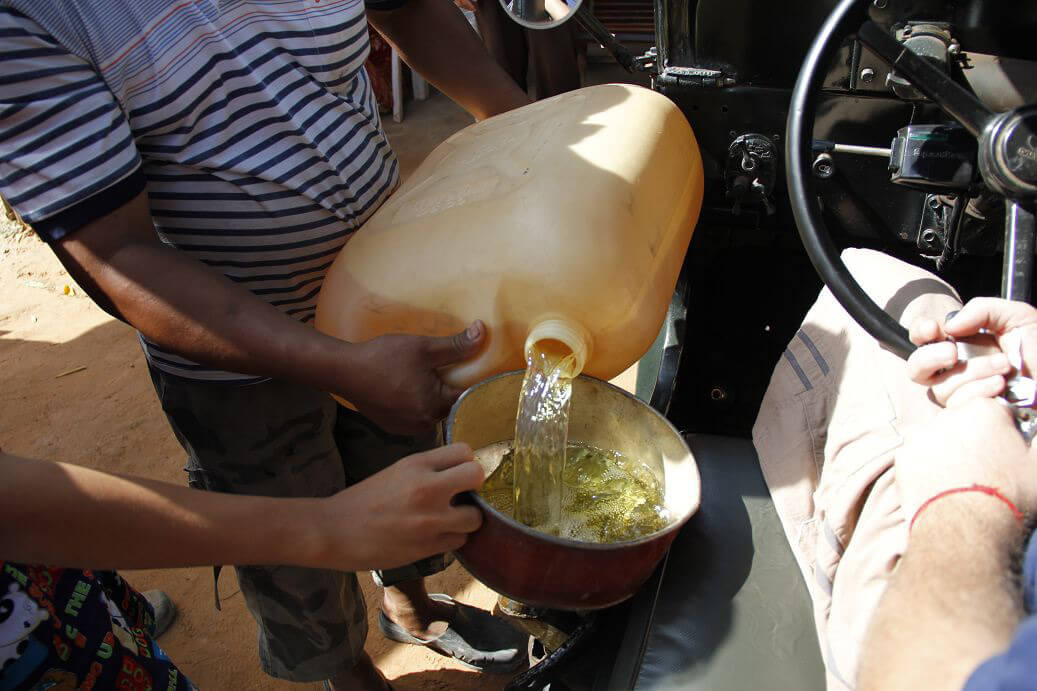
[476, 639]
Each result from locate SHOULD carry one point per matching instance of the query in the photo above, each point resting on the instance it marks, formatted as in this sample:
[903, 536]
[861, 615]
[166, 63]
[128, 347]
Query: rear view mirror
[541, 14]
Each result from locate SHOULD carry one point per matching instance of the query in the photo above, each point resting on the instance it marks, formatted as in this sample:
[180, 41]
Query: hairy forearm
[67, 515]
[454, 59]
[953, 601]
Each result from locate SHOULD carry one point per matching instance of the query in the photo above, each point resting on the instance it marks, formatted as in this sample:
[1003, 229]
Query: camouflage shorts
[279, 439]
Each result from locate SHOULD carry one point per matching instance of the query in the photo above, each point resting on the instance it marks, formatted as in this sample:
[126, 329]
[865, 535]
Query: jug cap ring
[567, 332]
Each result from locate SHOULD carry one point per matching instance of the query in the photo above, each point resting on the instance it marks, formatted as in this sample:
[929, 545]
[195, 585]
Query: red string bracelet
[991, 491]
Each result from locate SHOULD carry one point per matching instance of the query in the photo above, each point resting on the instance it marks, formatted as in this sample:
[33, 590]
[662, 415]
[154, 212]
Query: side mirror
[541, 14]
[547, 14]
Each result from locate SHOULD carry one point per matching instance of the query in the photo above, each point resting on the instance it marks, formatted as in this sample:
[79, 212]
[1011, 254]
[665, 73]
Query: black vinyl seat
[728, 611]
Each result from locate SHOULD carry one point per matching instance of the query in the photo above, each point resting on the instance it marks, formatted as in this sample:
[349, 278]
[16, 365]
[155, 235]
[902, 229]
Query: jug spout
[570, 334]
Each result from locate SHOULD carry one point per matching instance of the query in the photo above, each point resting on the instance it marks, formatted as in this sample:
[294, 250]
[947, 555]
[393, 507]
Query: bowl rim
[563, 541]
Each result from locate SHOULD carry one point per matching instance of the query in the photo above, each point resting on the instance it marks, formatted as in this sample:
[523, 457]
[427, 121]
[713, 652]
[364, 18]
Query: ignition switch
[751, 171]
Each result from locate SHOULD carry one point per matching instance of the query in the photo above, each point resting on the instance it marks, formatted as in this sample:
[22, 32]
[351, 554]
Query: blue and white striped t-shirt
[251, 123]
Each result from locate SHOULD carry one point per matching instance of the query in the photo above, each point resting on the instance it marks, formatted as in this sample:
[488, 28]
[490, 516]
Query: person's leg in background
[554, 60]
[837, 408]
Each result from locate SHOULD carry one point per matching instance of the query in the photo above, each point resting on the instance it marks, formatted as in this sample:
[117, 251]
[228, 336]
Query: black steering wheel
[1007, 164]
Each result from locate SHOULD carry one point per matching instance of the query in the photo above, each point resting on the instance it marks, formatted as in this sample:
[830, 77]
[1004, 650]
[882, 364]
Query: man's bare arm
[183, 305]
[953, 601]
[433, 38]
[66, 515]
[186, 307]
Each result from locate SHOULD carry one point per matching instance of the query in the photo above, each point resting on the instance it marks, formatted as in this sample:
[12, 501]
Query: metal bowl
[548, 571]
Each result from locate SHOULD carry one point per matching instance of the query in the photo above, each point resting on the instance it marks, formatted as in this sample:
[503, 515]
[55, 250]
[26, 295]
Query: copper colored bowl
[540, 569]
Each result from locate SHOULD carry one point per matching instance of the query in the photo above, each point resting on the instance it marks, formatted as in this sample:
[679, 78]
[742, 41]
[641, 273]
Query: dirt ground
[75, 389]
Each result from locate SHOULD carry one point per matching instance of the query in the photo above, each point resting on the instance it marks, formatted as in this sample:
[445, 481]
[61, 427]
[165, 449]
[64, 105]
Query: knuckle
[459, 450]
[474, 474]
[422, 494]
[988, 366]
[425, 524]
[418, 461]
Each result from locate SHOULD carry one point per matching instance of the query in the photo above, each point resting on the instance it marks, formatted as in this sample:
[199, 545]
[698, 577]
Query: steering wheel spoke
[1020, 235]
[927, 78]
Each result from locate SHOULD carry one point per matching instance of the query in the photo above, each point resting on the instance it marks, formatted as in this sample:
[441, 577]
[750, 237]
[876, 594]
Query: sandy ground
[75, 389]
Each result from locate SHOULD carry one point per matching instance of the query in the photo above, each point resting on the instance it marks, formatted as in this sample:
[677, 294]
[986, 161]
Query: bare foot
[408, 605]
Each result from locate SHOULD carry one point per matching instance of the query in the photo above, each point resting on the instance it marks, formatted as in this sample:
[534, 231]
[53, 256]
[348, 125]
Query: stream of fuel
[574, 491]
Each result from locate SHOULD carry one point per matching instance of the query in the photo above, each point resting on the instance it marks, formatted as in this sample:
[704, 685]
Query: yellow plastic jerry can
[567, 219]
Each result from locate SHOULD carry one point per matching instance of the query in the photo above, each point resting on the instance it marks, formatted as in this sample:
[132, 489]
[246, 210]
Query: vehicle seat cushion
[732, 610]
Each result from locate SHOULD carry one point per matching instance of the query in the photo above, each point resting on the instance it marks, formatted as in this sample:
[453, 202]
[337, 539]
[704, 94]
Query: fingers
[445, 457]
[450, 349]
[987, 387]
[924, 331]
[999, 317]
[450, 542]
[994, 314]
[463, 519]
[447, 396]
[465, 5]
[929, 360]
[461, 478]
[967, 375]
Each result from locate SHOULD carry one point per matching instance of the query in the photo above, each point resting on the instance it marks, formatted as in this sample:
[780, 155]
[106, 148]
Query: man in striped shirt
[196, 165]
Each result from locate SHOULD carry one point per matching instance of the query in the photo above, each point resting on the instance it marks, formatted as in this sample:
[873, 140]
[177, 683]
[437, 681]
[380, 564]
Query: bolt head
[867, 75]
[823, 166]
